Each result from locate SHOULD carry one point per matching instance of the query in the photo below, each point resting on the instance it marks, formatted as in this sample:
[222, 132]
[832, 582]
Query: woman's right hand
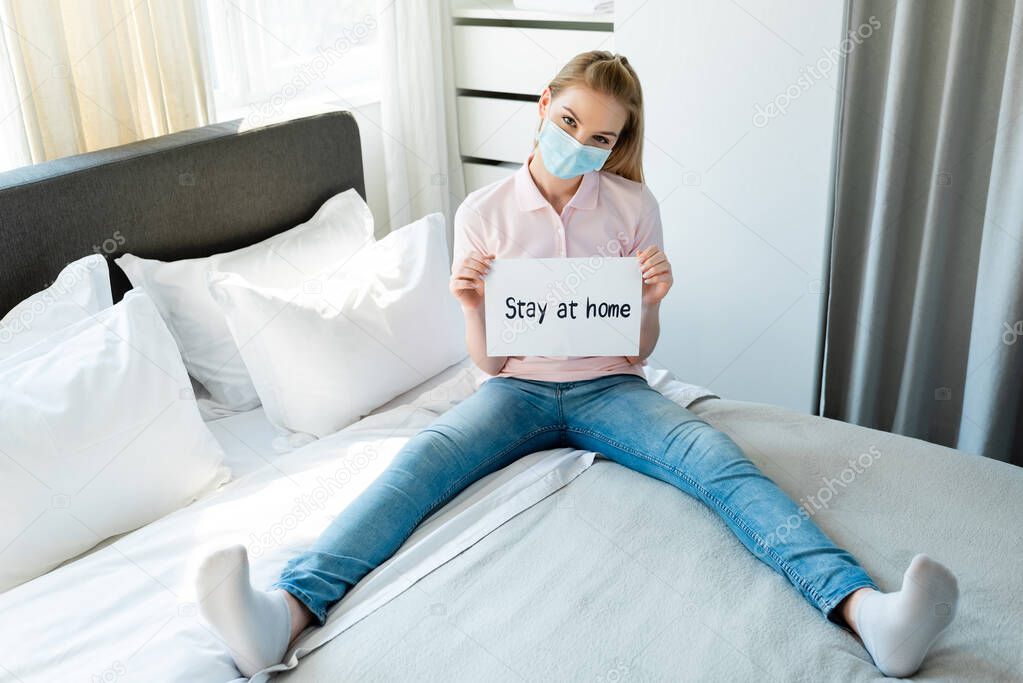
[467, 281]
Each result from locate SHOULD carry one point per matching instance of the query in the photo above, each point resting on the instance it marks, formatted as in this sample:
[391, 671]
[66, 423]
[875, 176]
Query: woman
[579, 193]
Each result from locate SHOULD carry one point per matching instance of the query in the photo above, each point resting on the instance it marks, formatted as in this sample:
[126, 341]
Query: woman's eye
[601, 139]
[569, 121]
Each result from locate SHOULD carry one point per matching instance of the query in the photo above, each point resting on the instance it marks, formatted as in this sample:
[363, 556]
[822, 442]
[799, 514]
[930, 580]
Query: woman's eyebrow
[611, 133]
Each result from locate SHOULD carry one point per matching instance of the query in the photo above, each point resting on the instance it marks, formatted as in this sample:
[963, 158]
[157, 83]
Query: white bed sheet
[247, 439]
[127, 608]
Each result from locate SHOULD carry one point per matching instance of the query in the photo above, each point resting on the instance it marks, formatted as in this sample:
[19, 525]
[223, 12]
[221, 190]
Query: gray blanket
[619, 577]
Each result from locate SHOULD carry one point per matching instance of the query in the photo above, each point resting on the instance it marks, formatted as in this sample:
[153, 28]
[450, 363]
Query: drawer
[518, 60]
[478, 175]
[496, 129]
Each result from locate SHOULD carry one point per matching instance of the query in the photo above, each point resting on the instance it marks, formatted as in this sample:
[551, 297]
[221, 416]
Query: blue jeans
[619, 416]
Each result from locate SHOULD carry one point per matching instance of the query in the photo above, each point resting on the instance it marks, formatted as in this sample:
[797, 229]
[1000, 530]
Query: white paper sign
[563, 307]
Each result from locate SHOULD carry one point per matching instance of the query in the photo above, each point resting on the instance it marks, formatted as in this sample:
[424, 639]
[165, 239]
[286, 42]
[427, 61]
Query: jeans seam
[285, 584]
[561, 408]
[788, 569]
[485, 463]
[830, 604]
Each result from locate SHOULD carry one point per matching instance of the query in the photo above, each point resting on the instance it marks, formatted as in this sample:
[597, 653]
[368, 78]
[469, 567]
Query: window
[268, 57]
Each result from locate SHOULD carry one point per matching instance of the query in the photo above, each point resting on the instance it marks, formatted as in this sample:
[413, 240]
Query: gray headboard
[188, 194]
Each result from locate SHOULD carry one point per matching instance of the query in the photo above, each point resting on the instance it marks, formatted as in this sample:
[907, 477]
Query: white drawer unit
[496, 129]
[517, 59]
[477, 175]
[504, 58]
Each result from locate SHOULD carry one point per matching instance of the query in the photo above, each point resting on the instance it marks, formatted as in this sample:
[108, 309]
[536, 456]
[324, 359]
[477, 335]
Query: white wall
[372, 142]
[744, 206]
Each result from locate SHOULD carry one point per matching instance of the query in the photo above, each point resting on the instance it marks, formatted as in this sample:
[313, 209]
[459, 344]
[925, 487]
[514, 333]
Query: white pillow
[342, 226]
[324, 355]
[101, 435]
[82, 288]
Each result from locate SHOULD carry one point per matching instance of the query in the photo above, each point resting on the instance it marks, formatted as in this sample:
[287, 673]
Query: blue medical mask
[566, 157]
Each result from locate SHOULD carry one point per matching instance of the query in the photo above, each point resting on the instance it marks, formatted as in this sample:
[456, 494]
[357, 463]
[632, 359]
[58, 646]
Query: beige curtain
[90, 74]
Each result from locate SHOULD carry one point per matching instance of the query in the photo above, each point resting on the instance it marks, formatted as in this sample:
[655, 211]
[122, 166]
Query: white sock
[254, 624]
[899, 628]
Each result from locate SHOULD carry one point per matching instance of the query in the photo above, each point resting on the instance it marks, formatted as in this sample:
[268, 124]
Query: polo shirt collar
[529, 197]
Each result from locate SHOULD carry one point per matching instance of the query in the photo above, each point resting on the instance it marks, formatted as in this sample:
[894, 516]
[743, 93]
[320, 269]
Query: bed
[563, 566]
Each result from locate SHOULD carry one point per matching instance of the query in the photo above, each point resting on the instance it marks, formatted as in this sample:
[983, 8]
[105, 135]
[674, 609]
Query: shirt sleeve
[468, 235]
[648, 228]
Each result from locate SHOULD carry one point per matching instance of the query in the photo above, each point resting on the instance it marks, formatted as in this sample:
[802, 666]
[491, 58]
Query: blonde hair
[612, 75]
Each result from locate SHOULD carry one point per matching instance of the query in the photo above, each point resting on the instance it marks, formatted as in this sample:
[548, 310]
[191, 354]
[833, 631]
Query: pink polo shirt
[608, 215]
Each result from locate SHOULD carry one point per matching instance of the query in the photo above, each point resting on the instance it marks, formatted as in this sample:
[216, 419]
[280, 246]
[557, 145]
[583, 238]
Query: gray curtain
[924, 329]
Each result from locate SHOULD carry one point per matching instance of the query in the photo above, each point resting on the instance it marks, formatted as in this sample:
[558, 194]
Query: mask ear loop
[536, 133]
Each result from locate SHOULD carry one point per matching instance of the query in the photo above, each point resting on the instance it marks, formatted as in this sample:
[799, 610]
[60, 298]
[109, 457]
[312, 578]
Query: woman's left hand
[657, 278]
